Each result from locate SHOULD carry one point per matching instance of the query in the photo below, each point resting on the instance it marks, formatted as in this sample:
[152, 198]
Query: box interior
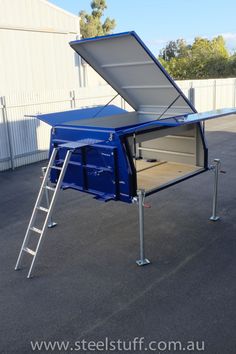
[164, 156]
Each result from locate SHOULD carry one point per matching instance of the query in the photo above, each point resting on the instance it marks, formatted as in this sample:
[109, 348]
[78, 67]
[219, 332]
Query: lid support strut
[95, 115]
[170, 105]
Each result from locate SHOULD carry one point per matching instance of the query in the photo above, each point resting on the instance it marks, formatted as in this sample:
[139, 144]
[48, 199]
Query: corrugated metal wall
[35, 53]
[24, 140]
[5, 152]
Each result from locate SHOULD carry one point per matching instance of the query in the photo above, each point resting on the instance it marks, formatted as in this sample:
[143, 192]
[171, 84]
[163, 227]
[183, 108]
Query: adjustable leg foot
[142, 262]
[52, 224]
[214, 218]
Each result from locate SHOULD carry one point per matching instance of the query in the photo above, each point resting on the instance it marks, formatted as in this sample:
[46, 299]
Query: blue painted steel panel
[101, 169]
[114, 122]
[62, 117]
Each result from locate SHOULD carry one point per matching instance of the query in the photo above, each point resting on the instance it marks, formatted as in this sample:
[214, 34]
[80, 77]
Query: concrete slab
[87, 285]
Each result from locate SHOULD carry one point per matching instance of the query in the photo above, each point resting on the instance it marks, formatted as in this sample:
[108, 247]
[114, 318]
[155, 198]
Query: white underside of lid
[127, 65]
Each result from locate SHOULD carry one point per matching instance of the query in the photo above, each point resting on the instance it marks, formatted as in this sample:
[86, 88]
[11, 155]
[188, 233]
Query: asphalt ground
[87, 285]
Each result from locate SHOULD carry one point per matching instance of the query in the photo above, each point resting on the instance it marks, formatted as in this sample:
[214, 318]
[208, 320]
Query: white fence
[25, 140]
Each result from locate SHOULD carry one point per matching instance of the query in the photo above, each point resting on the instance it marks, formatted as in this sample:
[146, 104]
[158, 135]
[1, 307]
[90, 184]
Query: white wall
[212, 93]
[34, 50]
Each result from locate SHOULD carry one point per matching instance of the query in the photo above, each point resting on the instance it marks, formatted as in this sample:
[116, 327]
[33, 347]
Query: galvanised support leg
[140, 199]
[215, 168]
[50, 222]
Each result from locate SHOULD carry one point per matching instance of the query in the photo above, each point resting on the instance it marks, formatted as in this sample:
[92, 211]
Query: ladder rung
[56, 167]
[28, 250]
[43, 209]
[36, 230]
[50, 188]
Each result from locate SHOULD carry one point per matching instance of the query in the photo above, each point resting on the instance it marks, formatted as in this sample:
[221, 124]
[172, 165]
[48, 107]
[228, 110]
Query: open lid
[199, 117]
[132, 70]
[184, 119]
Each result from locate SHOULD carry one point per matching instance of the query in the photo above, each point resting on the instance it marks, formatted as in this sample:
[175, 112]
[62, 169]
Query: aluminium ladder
[38, 207]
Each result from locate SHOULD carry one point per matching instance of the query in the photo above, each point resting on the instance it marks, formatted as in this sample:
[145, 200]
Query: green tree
[232, 66]
[91, 25]
[174, 49]
[202, 60]
[170, 51]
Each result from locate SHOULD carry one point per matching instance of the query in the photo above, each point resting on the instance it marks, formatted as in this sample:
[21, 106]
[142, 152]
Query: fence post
[214, 95]
[234, 94]
[191, 94]
[72, 99]
[122, 103]
[8, 131]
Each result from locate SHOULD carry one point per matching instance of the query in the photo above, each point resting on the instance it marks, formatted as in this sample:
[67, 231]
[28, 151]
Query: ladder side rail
[53, 200]
[38, 200]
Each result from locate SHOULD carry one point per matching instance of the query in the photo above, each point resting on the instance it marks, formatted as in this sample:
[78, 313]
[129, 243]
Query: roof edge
[46, 2]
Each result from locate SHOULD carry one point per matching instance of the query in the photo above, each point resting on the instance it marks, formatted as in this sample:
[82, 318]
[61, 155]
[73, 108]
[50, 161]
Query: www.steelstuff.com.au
[137, 344]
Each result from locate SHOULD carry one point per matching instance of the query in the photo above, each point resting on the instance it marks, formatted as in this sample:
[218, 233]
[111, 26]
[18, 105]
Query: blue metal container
[159, 143]
[114, 154]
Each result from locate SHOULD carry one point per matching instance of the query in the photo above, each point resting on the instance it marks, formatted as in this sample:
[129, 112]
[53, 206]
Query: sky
[159, 21]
